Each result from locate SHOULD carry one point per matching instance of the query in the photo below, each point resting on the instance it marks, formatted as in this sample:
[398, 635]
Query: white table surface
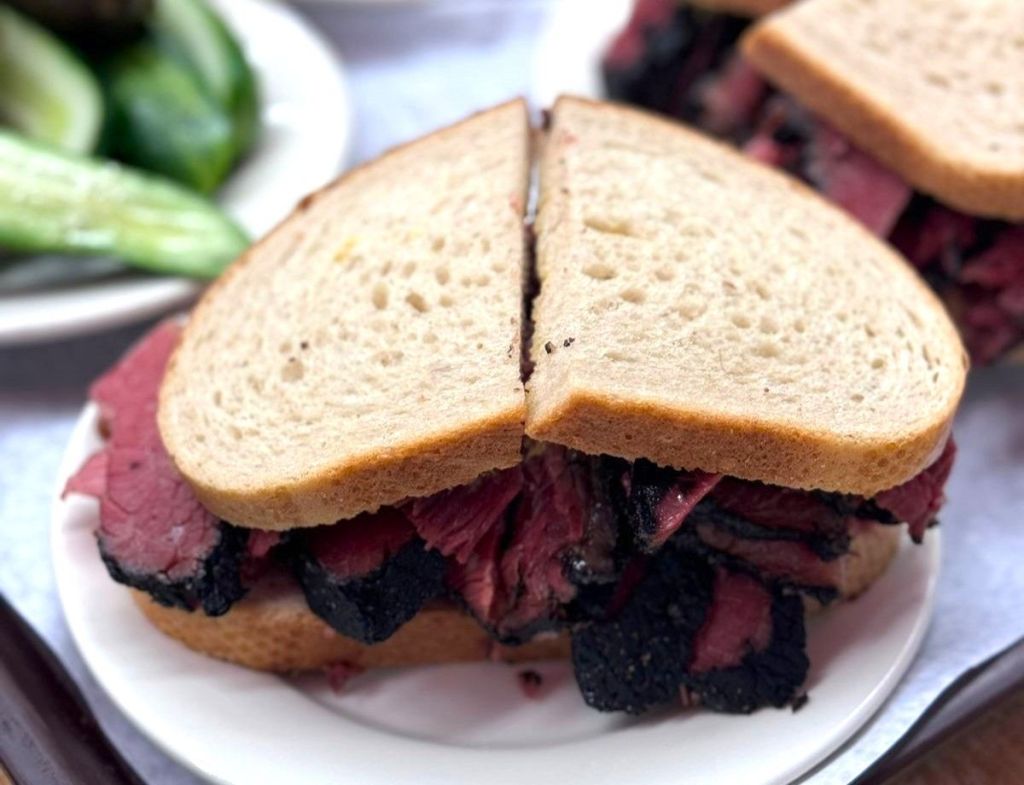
[414, 67]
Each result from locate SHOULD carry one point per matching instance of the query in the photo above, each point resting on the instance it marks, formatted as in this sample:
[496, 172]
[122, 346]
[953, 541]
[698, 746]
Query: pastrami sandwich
[731, 398]
[911, 116]
[681, 58]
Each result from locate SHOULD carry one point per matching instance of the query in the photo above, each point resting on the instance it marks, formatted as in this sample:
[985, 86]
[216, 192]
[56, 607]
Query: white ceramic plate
[466, 723]
[569, 52]
[305, 118]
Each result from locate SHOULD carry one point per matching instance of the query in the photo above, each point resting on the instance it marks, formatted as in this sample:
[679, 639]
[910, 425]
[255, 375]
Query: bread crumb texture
[368, 348]
[724, 317]
[933, 88]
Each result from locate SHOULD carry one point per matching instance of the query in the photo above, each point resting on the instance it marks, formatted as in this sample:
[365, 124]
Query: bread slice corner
[934, 90]
[706, 312]
[367, 349]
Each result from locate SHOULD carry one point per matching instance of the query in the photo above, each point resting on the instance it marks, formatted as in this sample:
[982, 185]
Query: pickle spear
[46, 92]
[60, 202]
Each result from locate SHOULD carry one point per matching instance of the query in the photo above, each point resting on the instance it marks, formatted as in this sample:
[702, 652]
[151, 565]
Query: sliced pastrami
[153, 533]
[731, 97]
[648, 16]
[751, 650]
[127, 393]
[637, 660]
[595, 565]
[671, 57]
[550, 520]
[1001, 265]
[260, 550]
[557, 533]
[849, 177]
[824, 545]
[454, 521]
[756, 511]
[740, 621]
[992, 298]
[367, 576]
[477, 581]
[720, 632]
[660, 499]
[930, 234]
[774, 506]
[791, 562]
[91, 478]
[917, 501]
[781, 135]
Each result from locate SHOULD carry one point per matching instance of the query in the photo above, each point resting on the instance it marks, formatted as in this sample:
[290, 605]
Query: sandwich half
[911, 116]
[732, 400]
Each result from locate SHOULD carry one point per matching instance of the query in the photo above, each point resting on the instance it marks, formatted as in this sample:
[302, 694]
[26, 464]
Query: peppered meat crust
[770, 677]
[636, 660]
[827, 543]
[214, 585]
[371, 607]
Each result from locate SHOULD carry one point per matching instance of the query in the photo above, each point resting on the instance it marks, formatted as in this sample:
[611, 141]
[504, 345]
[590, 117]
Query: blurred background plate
[305, 133]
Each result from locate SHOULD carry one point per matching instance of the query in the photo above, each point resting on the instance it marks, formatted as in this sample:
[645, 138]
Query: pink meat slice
[628, 46]
[732, 97]
[855, 181]
[91, 479]
[771, 505]
[787, 560]
[739, 621]
[679, 501]
[917, 501]
[455, 521]
[150, 521]
[356, 547]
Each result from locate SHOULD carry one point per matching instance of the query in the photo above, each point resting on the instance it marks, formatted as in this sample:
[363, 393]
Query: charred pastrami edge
[215, 585]
[770, 675]
[636, 660]
[370, 606]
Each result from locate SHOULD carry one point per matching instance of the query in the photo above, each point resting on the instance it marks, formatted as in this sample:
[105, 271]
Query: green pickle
[60, 202]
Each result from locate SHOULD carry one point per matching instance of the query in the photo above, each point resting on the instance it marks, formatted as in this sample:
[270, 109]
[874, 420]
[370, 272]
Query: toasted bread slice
[706, 312]
[273, 629]
[935, 90]
[750, 8]
[368, 348]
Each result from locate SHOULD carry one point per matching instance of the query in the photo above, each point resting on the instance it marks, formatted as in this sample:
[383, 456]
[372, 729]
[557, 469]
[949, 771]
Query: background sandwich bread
[705, 312]
[367, 349]
[934, 90]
